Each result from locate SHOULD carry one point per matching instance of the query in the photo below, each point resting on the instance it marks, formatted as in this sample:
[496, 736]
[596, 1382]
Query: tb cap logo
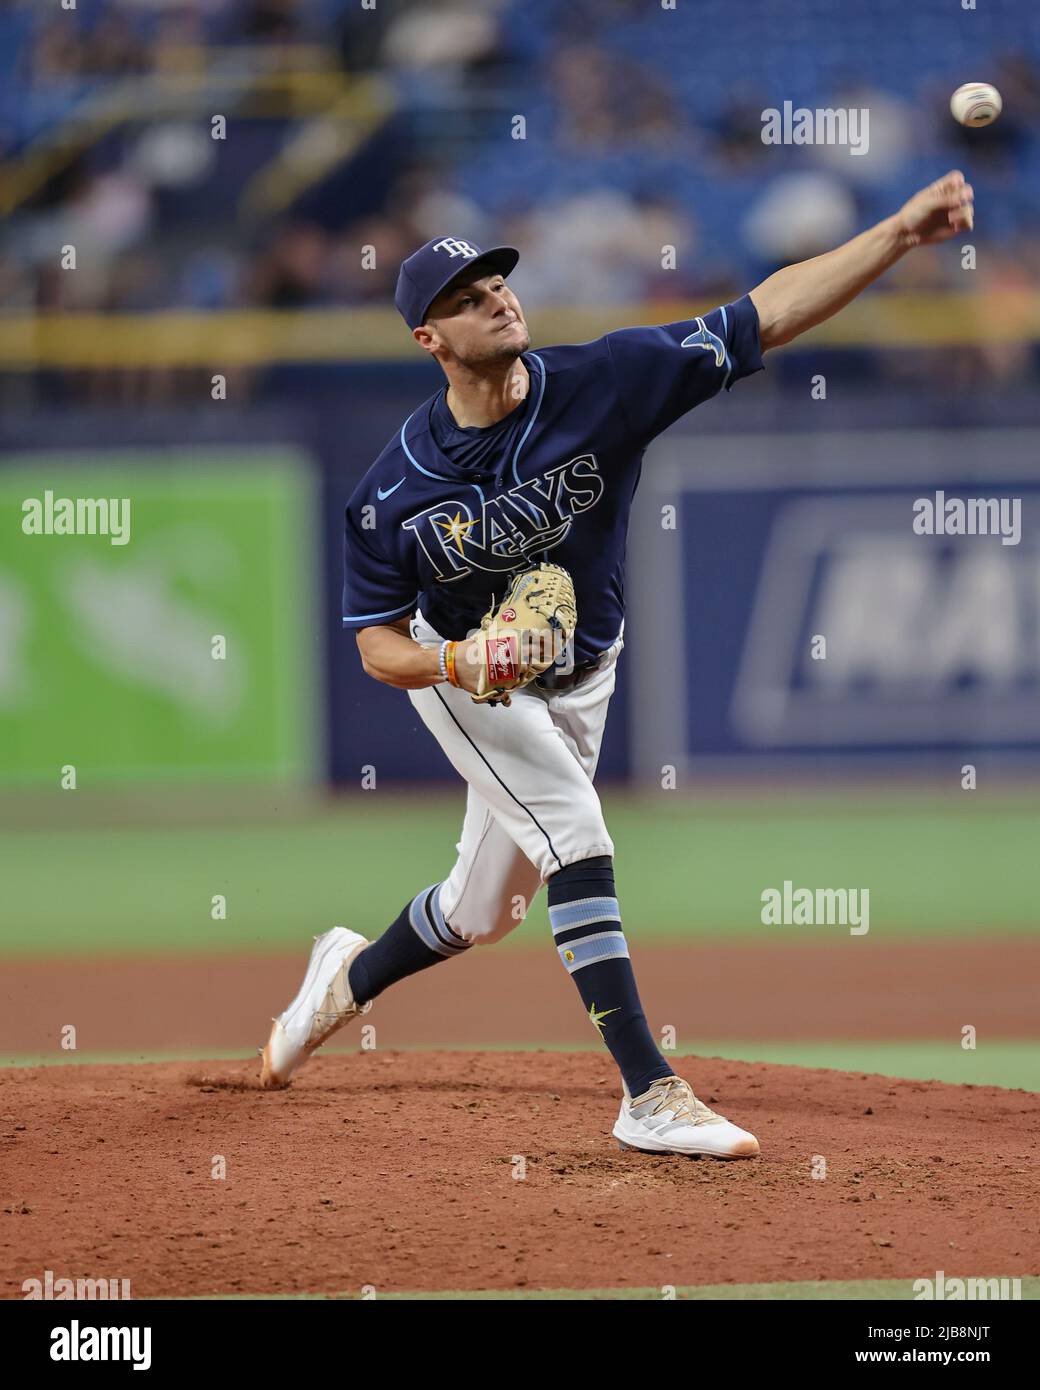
[455, 247]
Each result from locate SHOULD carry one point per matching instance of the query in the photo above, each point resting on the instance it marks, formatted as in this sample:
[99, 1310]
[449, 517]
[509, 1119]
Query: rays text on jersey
[527, 519]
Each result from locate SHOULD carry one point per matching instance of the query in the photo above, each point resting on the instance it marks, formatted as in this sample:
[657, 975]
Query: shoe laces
[325, 1016]
[676, 1095]
[333, 1011]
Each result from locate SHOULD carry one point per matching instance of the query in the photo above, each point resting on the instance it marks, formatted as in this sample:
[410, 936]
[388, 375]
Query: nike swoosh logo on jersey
[384, 495]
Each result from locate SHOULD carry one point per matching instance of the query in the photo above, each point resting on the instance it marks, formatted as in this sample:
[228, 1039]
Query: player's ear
[425, 336]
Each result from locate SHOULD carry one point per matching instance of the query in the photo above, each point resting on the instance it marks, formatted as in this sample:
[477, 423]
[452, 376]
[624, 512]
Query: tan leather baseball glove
[526, 632]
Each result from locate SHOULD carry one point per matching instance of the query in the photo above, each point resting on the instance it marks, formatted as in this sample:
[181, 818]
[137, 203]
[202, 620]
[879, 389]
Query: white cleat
[323, 1005]
[668, 1118]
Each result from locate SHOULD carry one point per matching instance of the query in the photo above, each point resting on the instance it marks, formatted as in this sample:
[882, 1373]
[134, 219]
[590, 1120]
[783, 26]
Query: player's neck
[482, 399]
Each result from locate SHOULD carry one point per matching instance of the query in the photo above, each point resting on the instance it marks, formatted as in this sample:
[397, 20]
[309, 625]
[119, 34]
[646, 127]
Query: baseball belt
[559, 681]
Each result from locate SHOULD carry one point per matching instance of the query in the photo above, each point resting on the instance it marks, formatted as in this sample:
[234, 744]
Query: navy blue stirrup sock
[418, 938]
[586, 926]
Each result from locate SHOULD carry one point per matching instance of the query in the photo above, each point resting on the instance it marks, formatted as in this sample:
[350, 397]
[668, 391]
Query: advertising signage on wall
[157, 617]
[839, 594]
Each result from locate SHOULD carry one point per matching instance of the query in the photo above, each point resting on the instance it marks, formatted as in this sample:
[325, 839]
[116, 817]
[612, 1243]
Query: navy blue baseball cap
[433, 267]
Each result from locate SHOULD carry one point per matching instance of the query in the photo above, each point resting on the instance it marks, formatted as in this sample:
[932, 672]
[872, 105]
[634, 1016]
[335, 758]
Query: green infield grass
[826, 1290]
[685, 870]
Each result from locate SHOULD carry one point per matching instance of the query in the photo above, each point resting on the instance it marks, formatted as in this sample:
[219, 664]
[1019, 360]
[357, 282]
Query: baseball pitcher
[484, 574]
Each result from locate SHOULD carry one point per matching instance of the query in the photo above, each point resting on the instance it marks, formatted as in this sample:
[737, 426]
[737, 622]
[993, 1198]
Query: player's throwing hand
[943, 210]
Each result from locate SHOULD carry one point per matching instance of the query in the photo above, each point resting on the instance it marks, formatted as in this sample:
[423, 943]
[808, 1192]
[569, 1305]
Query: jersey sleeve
[661, 373]
[374, 589]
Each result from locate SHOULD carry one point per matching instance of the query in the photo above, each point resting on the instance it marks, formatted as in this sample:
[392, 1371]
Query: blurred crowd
[592, 135]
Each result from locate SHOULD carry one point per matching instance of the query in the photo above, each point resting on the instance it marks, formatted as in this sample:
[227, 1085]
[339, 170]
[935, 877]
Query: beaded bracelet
[441, 661]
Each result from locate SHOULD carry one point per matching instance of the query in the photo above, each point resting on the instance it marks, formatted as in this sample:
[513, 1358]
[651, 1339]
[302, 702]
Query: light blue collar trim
[534, 414]
[439, 476]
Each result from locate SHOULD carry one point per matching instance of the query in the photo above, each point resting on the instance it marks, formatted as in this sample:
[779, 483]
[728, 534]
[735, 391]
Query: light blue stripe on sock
[443, 927]
[583, 912]
[421, 926]
[587, 950]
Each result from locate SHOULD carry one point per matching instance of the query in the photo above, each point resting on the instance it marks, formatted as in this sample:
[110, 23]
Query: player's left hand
[943, 210]
[526, 632]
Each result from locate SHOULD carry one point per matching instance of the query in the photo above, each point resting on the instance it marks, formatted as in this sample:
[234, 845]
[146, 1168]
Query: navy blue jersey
[443, 531]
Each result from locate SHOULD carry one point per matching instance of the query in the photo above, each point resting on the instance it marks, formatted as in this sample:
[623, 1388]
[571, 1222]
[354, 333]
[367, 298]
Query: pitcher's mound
[453, 1170]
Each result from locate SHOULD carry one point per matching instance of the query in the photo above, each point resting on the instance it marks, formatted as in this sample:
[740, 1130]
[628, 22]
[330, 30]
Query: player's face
[476, 323]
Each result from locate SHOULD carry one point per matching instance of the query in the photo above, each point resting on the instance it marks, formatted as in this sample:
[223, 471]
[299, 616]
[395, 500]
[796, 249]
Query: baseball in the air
[976, 103]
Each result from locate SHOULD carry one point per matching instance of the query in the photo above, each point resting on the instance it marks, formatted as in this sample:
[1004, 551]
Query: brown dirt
[395, 1170]
[845, 990]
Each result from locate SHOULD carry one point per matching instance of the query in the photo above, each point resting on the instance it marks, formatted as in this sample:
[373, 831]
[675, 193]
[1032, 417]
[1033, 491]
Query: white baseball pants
[531, 807]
